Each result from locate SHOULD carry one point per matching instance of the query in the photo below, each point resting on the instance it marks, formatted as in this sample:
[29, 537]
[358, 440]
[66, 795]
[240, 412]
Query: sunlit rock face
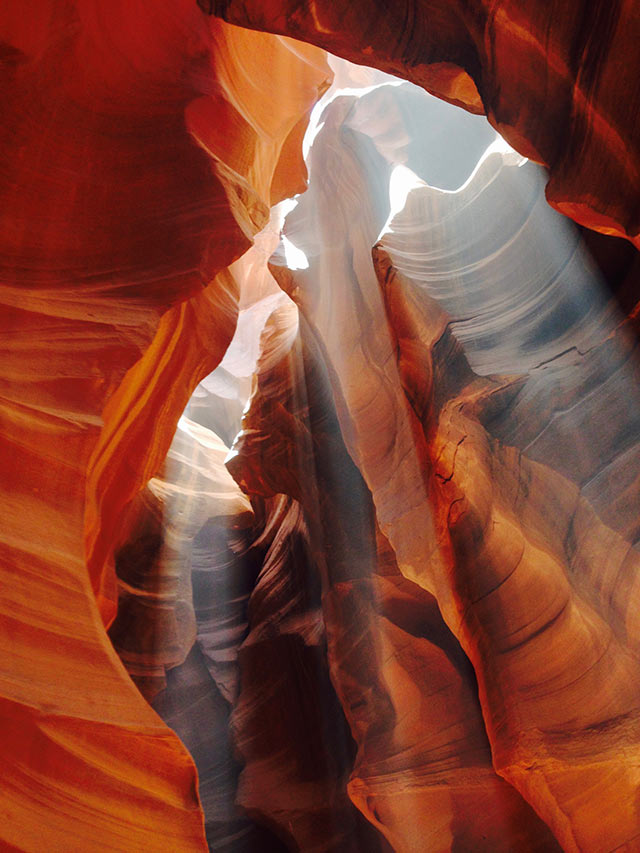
[421, 773]
[486, 387]
[379, 580]
[525, 299]
[139, 156]
[534, 573]
[557, 82]
[426, 621]
[207, 545]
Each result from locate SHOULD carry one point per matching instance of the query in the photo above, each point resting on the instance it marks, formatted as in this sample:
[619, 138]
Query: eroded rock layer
[422, 773]
[558, 81]
[492, 467]
[381, 577]
[139, 155]
[532, 603]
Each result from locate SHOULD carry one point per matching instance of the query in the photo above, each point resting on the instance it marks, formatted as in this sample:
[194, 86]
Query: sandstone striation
[559, 83]
[422, 771]
[527, 595]
[321, 535]
[487, 472]
[138, 160]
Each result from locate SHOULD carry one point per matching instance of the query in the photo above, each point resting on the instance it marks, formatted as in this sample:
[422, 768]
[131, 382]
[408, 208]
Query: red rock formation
[505, 497]
[559, 82]
[422, 775]
[287, 723]
[526, 593]
[421, 629]
[138, 158]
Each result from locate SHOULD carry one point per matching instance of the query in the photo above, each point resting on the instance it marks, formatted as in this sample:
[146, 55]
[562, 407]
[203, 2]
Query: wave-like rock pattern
[559, 82]
[219, 400]
[531, 592]
[138, 159]
[288, 726]
[207, 546]
[471, 463]
[526, 299]
[422, 774]
[194, 502]
[419, 632]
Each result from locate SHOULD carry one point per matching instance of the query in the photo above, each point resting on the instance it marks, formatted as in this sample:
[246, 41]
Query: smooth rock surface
[559, 82]
[138, 159]
[378, 584]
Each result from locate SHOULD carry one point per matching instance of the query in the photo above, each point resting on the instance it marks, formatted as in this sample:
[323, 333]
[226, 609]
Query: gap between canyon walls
[93, 259]
[559, 84]
[502, 446]
[537, 340]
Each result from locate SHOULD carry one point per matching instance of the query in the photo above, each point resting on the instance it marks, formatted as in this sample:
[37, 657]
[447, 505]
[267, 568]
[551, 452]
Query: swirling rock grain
[123, 199]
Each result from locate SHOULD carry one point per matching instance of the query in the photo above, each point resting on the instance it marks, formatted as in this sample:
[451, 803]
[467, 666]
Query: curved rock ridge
[559, 82]
[525, 299]
[336, 231]
[532, 591]
[527, 552]
[193, 583]
[209, 535]
[219, 400]
[196, 710]
[287, 723]
[156, 625]
[137, 161]
[422, 773]
[403, 616]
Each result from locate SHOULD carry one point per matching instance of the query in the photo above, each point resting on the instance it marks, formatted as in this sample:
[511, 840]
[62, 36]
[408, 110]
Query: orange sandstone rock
[422, 773]
[559, 82]
[122, 201]
[492, 439]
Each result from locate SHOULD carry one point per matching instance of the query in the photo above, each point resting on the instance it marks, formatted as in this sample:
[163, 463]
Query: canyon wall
[376, 588]
[441, 456]
[139, 156]
[559, 81]
[487, 388]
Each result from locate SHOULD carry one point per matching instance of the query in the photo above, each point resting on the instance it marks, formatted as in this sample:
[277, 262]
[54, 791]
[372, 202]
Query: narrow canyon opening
[282, 601]
[319, 426]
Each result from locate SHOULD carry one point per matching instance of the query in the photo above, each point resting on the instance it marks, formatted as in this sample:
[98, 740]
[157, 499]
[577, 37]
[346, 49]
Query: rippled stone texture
[526, 299]
[416, 628]
[559, 82]
[527, 593]
[207, 548]
[422, 773]
[139, 155]
[194, 500]
[499, 441]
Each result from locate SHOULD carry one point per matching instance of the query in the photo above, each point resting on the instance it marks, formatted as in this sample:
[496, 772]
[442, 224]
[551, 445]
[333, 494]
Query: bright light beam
[296, 258]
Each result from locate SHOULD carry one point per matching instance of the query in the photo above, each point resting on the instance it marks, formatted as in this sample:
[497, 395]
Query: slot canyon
[320, 426]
